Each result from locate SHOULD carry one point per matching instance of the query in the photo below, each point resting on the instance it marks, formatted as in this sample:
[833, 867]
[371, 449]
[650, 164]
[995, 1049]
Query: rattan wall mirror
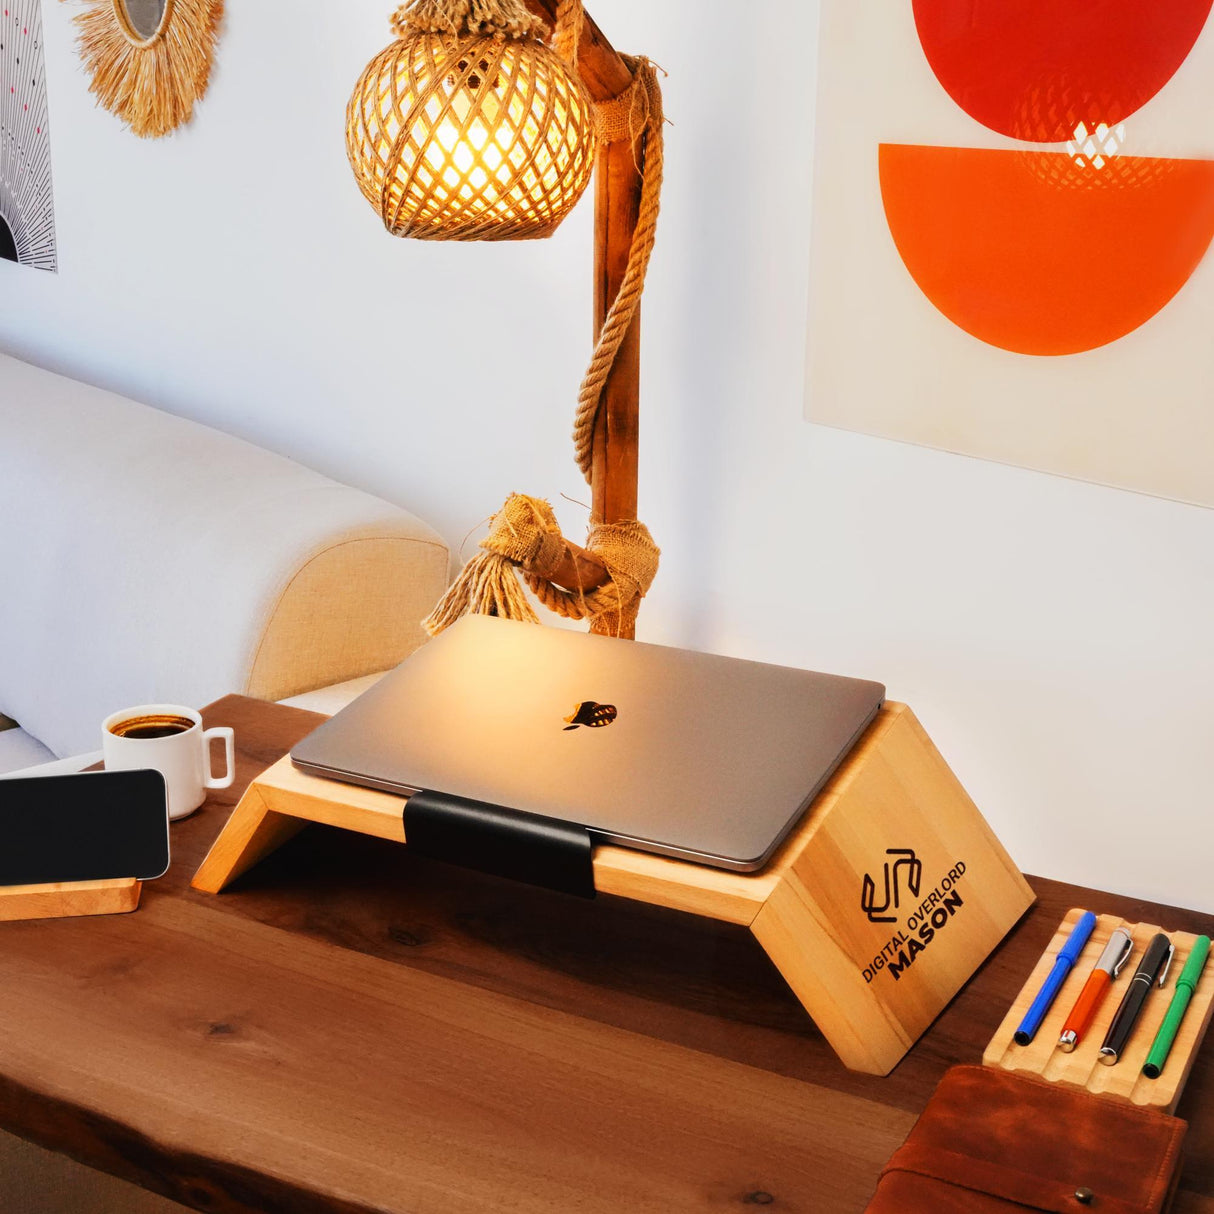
[143, 16]
[150, 60]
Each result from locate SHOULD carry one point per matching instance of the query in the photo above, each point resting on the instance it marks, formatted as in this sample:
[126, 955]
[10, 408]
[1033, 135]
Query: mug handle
[229, 748]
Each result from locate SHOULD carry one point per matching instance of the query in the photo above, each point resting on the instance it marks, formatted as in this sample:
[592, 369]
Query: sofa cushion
[19, 750]
[149, 558]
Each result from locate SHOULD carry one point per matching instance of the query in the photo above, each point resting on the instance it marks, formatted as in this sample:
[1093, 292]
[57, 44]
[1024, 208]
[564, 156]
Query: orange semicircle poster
[1021, 251]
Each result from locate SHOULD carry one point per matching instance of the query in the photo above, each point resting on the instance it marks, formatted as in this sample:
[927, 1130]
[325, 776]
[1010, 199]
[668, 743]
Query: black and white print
[27, 207]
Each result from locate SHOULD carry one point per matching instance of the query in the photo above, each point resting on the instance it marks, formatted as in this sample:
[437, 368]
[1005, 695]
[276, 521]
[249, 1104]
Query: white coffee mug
[171, 739]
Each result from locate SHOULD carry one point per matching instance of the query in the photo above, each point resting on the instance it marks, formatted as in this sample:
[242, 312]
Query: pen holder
[1082, 1069]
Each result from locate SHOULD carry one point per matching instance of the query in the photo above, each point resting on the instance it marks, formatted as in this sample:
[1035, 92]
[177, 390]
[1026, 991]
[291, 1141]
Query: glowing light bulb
[494, 141]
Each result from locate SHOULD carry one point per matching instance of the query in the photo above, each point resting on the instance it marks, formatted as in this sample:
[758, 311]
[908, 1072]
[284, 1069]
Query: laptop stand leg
[252, 833]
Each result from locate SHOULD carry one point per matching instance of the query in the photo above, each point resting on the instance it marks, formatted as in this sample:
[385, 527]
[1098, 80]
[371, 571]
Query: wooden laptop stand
[877, 909]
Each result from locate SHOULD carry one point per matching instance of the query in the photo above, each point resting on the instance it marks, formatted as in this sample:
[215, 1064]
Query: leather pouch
[990, 1142]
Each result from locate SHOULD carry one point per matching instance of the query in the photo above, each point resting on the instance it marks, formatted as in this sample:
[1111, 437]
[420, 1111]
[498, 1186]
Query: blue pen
[1063, 965]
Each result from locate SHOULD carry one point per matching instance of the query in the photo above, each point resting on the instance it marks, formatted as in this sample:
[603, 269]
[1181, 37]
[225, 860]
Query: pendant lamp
[469, 127]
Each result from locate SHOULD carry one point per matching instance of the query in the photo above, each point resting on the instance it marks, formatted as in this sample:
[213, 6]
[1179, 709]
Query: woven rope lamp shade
[469, 127]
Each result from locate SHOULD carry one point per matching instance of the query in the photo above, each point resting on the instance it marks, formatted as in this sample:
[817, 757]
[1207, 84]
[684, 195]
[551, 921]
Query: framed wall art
[1012, 217]
[27, 203]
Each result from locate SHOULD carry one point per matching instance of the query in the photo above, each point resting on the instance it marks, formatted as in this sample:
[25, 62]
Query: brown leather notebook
[990, 1142]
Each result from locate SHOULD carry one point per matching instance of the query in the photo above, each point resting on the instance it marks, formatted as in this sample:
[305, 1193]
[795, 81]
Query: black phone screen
[98, 826]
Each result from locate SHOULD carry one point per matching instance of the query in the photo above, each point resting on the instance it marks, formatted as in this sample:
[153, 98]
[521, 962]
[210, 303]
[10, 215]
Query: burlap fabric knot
[524, 546]
[525, 541]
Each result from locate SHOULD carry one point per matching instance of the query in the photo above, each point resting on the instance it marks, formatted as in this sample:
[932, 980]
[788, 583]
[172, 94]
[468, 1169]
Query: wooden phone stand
[877, 909]
[68, 899]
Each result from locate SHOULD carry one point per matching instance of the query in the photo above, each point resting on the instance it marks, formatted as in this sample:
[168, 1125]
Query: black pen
[1155, 963]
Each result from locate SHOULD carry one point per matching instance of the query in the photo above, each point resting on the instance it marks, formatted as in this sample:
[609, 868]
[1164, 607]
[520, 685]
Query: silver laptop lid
[684, 754]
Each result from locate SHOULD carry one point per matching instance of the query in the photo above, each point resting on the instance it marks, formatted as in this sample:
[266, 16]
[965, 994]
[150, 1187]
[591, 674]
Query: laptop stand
[877, 909]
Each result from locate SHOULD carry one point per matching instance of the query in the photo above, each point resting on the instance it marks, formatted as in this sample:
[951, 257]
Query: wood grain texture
[68, 899]
[578, 570]
[1082, 1068]
[636, 972]
[896, 793]
[615, 452]
[804, 908]
[602, 70]
[734, 897]
[251, 834]
[466, 1083]
[617, 208]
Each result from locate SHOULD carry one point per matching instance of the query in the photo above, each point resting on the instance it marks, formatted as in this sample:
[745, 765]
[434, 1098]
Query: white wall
[1054, 637]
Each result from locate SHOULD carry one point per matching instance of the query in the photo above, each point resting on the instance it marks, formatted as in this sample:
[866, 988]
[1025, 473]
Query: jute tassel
[525, 540]
[471, 18]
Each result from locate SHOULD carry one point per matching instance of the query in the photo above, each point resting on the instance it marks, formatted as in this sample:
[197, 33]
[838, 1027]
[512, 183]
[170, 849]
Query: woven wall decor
[470, 127]
[151, 80]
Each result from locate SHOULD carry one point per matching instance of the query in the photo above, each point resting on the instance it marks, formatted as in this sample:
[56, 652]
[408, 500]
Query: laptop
[703, 758]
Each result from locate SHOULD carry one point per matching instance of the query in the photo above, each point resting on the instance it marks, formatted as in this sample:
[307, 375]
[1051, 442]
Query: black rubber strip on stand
[502, 842]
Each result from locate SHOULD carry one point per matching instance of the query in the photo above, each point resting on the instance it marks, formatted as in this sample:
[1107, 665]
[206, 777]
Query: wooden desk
[355, 1029]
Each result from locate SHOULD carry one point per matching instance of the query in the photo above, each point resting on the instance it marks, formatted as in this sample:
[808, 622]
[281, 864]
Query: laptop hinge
[503, 842]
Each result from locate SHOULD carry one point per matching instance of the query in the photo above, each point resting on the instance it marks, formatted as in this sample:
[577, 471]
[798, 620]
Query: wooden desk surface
[354, 1029]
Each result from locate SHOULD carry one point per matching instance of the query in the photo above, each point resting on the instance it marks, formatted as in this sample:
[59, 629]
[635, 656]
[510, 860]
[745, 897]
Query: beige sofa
[147, 558]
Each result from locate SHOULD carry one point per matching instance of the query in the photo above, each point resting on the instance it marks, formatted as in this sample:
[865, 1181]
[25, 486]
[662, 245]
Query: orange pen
[1116, 954]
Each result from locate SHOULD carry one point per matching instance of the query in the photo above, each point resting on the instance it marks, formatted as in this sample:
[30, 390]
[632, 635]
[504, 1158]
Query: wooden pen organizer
[877, 909]
[1082, 1068]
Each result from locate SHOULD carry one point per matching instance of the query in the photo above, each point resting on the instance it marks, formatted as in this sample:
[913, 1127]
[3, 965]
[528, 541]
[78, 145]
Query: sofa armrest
[351, 609]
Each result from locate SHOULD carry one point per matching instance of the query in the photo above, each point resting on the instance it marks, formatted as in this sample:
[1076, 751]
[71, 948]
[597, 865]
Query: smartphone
[98, 826]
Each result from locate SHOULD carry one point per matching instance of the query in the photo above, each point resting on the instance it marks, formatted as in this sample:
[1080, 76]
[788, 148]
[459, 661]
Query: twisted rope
[639, 112]
[568, 31]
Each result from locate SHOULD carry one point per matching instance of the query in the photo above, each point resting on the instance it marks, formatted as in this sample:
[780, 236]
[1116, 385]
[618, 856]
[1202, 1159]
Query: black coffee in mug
[157, 725]
[172, 739]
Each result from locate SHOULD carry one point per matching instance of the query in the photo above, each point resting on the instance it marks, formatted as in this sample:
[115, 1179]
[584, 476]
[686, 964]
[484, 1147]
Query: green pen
[1186, 984]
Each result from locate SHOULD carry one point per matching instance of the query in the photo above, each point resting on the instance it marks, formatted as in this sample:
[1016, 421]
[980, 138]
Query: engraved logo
[905, 862]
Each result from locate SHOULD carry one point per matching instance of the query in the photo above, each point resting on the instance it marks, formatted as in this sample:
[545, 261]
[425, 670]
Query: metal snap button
[1085, 1197]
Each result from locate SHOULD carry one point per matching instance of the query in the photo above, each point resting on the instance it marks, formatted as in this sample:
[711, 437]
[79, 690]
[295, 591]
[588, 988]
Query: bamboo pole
[613, 483]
